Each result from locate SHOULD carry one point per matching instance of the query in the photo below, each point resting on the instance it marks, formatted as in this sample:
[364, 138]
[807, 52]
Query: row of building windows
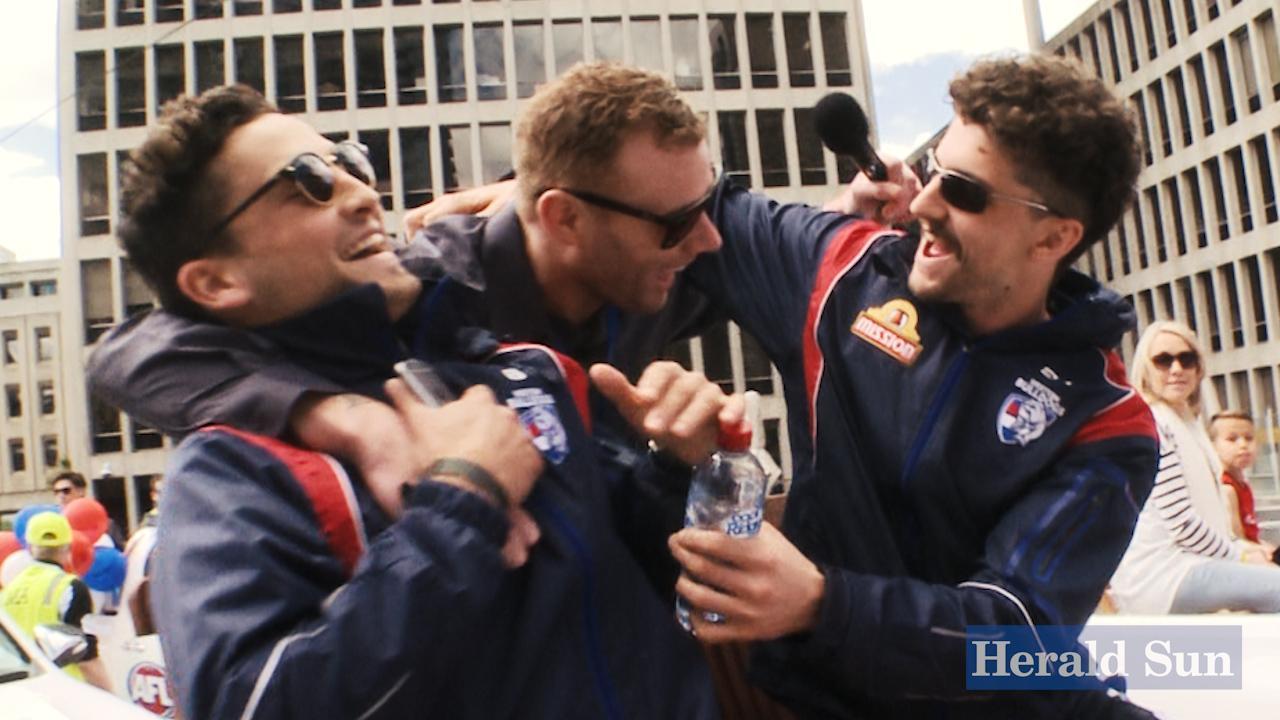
[1227, 304]
[18, 455]
[460, 146]
[107, 434]
[12, 349]
[1212, 94]
[92, 14]
[97, 295]
[1253, 391]
[491, 43]
[1217, 199]
[33, 288]
[13, 399]
[1133, 32]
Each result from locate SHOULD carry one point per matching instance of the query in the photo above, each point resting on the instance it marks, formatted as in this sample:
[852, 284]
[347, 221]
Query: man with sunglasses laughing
[976, 456]
[281, 587]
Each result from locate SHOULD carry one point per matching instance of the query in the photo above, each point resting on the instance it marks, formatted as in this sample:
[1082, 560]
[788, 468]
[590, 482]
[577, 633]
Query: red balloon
[8, 544]
[87, 515]
[81, 553]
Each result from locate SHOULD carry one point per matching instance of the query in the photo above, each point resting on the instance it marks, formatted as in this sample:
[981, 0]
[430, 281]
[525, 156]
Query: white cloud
[902, 31]
[29, 188]
[917, 46]
[29, 84]
[29, 206]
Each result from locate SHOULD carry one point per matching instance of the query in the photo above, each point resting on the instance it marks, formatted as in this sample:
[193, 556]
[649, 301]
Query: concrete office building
[431, 88]
[1202, 243]
[35, 421]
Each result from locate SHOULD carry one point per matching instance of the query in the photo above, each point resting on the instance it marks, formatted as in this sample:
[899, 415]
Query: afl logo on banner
[891, 328]
[149, 689]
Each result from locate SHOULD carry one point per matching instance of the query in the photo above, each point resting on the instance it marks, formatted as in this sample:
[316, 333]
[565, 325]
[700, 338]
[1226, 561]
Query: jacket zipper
[605, 691]
[931, 418]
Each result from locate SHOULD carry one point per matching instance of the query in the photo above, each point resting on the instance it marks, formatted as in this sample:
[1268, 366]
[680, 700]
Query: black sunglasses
[965, 193]
[313, 176]
[678, 223]
[1188, 360]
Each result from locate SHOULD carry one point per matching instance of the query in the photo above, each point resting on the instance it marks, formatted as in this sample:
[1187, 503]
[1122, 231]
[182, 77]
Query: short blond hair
[1227, 415]
[1142, 369]
[571, 130]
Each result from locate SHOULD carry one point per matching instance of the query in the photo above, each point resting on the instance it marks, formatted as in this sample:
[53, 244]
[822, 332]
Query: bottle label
[744, 524]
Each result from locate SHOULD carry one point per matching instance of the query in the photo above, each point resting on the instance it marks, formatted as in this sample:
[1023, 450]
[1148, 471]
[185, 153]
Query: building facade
[1202, 242]
[432, 89]
[33, 433]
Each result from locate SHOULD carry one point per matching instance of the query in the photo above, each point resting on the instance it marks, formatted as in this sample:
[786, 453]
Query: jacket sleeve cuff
[462, 506]
[831, 639]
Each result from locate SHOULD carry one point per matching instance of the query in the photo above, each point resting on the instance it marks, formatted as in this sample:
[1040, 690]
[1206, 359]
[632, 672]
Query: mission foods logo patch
[891, 328]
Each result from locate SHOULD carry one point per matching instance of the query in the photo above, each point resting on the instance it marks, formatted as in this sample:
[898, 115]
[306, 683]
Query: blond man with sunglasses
[1184, 557]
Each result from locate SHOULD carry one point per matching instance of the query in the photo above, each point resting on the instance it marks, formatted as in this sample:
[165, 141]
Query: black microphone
[843, 128]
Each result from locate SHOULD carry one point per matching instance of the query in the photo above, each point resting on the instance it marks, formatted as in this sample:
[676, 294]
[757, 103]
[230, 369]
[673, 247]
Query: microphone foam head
[841, 124]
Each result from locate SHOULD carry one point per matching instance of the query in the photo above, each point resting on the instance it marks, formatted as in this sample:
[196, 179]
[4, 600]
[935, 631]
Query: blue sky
[911, 64]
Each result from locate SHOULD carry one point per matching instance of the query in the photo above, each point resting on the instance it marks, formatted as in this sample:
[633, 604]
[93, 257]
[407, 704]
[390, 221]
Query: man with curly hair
[969, 453]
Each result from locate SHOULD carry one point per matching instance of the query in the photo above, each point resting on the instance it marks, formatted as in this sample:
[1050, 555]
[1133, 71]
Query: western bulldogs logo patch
[537, 411]
[1025, 414]
[1022, 419]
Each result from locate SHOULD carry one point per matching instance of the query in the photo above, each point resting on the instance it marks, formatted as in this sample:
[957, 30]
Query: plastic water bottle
[726, 494]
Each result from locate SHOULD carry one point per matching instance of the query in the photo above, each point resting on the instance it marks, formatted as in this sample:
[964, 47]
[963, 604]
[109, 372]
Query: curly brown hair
[572, 128]
[1070, 137]
[169, 201]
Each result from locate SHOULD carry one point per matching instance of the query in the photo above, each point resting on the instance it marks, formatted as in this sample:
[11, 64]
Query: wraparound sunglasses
[313, 176]
[678, 223]
[965, 193]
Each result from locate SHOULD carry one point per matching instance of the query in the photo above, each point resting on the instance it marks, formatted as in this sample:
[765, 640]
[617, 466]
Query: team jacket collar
[350, 339]
[489, 256]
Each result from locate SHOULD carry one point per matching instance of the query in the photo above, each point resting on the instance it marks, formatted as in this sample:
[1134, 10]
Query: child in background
[1232, 433]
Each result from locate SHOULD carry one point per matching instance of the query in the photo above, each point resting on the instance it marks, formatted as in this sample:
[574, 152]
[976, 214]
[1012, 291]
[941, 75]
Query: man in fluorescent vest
[45, 593]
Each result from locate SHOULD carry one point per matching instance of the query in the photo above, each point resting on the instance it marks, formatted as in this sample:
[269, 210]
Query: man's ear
[560, 215]
[214, 284]
[1061, 236]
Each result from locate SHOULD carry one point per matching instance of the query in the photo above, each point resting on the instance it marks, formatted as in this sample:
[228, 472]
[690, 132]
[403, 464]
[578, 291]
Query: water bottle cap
[736, 438]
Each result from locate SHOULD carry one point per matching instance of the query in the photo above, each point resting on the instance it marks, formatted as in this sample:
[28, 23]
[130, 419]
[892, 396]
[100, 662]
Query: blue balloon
[107, 571]
[24, 516]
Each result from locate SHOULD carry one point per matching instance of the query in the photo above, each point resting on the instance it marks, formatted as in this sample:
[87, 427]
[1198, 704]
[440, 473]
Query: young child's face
[1234, 441]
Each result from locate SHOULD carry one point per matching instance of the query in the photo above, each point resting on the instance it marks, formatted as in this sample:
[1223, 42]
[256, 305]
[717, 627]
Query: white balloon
[14, 565]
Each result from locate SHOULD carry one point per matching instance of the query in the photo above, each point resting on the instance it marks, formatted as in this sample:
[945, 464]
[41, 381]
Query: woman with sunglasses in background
[1183, 557]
